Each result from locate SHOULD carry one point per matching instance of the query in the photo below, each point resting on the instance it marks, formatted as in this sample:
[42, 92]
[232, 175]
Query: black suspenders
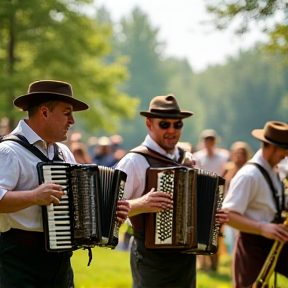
[274, 191]
[33, 149]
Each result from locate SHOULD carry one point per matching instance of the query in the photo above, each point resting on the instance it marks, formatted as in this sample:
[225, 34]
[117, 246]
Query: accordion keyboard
[58, 215]
[164, 219]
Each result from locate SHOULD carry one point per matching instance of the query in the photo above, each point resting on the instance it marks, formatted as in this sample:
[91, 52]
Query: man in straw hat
[150, 268]
[24, 262]
[255, 200]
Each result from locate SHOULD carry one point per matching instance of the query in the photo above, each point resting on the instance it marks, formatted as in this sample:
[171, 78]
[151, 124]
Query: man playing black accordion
[24, 261]
[153, 268]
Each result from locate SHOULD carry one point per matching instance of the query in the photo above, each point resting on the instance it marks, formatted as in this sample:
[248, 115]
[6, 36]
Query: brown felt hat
[49, 90]
[274, 132]
[165, 107]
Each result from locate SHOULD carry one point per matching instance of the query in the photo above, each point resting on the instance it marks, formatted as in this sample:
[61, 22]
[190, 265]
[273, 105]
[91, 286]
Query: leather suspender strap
[33, 149]
[270, 184]
[147, 152]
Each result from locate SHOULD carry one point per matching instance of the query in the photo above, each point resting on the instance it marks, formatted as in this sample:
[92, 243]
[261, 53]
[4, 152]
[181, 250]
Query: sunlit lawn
[110, 269]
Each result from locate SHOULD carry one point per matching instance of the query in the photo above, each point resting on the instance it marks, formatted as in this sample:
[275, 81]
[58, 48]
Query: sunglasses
[166, 125]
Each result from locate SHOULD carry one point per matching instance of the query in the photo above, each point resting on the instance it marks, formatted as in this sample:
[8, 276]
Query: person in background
[24, 261]
[78, 148]
[186, 146]
[240, 153]
[91, 146]
[151, 268]
[80, 152]
[104, 154]
[211, 158]
[255, 201]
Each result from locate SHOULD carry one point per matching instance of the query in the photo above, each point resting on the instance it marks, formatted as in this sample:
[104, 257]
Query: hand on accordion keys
[154, 201]
[123, 208]
[48, 193]
[222, 216]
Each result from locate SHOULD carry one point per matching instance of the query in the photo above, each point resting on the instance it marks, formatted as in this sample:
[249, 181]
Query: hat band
[276, 142]
[173, 111]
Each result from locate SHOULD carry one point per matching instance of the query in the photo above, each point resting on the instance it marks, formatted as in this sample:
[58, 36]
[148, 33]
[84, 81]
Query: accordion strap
[152, 154]
[33, 149]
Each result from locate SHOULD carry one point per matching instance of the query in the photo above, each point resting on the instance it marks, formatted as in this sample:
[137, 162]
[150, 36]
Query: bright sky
[179, 24]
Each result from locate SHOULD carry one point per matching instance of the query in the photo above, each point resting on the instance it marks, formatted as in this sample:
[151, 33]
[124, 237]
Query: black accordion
[190, 226]
[86, 215]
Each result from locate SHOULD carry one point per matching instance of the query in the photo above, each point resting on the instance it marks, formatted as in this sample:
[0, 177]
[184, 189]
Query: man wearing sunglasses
[150, 268]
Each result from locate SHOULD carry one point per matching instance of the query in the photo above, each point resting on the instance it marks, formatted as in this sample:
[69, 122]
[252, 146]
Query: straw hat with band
[49, 90]
[165, 107]
[274, 132]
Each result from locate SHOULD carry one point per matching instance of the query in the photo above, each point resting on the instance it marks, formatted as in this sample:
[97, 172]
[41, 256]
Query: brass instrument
[265, 274]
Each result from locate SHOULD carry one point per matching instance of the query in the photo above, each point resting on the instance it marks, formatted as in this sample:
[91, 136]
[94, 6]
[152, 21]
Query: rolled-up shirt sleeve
[135, 167]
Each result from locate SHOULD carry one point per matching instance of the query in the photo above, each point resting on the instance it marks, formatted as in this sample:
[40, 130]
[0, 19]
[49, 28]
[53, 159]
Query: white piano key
[54, 233]
[60, 238]
[60, 222]
[56, 218]
[58, 228]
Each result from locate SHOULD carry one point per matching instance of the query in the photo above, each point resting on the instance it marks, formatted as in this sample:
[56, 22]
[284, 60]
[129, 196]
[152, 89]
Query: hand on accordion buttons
[123, 208]
[222, 216]
[48, 193]
[156, 201]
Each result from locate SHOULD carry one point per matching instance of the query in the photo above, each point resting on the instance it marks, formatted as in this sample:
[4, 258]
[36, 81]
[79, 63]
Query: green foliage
[57, 40]
[243, 95]
[137, 40]
[244, 13]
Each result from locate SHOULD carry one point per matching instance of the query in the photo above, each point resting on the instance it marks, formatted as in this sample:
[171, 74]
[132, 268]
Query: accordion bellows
[86, 215]
[191, 226]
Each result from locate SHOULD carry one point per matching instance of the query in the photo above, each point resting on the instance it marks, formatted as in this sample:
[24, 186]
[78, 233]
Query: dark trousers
[33, 267]
[250, 255]
[153, 269]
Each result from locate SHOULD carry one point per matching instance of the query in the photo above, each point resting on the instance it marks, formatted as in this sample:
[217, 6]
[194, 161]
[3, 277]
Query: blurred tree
[243, 95]
[270, 15]
[182, 84]
[58, 40]
[135, 38]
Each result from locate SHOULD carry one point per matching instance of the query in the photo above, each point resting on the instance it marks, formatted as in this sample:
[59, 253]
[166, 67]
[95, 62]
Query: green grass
[110, 269]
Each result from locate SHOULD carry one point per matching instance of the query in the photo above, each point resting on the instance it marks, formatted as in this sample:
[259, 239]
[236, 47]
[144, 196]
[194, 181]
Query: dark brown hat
[49, 90]
[274, 132]
[165, 107]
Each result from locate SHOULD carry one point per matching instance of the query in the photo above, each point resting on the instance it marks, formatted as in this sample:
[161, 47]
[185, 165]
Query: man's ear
[149, 123]
[44, 112]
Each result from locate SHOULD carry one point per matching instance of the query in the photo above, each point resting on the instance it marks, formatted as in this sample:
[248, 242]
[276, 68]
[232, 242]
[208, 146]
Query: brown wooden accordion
[86, 215]
[191, 225]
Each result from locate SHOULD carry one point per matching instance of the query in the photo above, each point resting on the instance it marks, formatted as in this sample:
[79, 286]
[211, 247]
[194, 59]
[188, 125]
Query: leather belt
[29, 239]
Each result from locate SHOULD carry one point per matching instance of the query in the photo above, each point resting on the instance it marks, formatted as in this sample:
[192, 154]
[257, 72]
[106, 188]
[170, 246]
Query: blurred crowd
[106, 151]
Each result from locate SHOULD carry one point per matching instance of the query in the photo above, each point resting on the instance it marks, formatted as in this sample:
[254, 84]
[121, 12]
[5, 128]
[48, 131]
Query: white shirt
[135, 166]
[211, 163]
[250, 195]
[18, 173]
[283, 168]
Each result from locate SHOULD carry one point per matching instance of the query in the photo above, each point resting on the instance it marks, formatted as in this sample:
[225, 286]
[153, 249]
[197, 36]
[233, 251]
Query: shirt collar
[33, 138]
[258, 158]
[149, 142]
